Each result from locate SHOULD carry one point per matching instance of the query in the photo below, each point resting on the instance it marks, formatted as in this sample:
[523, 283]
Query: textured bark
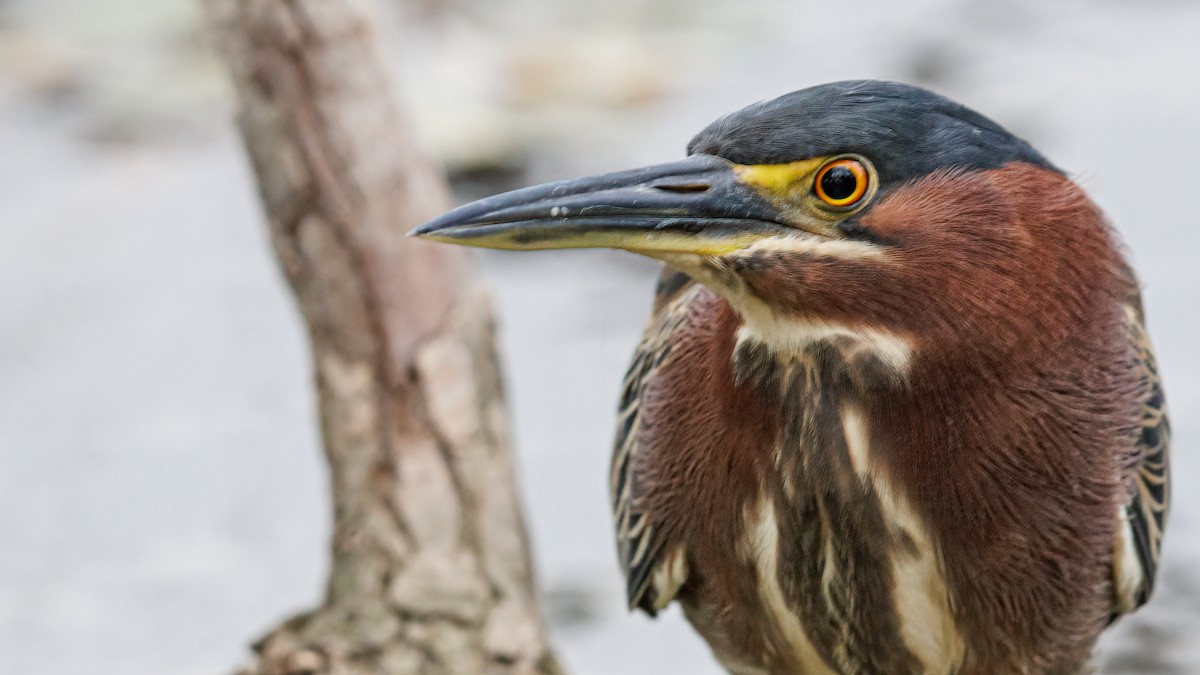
[430, 569]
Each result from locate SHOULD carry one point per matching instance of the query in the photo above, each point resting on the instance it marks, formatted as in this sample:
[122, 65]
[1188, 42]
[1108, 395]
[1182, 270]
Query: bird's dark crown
[906, 131]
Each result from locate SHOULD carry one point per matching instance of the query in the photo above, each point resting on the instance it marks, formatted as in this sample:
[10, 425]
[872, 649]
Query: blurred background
[162, 495]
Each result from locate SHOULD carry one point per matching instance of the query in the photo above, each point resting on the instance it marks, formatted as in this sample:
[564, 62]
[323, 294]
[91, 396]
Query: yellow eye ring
[841, 183]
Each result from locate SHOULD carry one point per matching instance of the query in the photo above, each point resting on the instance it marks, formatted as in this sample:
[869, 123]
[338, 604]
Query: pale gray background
[162, 496]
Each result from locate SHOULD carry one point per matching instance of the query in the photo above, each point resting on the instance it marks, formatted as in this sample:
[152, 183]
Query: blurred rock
[38, 66]
[120, 71]
[605, 70]
[473, 181]
[118, 319]
[934, 64]
[572, 605]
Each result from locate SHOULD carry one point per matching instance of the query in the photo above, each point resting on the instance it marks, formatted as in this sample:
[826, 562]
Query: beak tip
[423, 230]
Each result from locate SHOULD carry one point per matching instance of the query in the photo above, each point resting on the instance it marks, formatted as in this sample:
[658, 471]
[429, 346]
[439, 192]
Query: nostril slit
[683, 187]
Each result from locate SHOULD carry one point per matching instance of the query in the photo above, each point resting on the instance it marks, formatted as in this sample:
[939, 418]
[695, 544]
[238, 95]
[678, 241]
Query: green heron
[895, 411]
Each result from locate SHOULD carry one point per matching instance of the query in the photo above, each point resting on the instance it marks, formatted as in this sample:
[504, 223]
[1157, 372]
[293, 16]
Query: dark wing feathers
[636, 542]
[1145, 511]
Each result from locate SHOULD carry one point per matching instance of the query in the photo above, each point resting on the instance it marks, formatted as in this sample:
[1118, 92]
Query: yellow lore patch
[777, 181]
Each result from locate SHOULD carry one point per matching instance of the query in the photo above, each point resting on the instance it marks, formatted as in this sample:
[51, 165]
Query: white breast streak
[794, 335]
[762, 545]
[790, 334]
[786, 333]
[1127, 569]
[855, 430]
[922, 600]
[669, 576]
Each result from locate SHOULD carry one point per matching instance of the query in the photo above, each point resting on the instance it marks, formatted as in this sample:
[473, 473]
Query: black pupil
[839, 183]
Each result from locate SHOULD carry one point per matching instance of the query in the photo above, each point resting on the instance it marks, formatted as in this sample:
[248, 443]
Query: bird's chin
[717, 273]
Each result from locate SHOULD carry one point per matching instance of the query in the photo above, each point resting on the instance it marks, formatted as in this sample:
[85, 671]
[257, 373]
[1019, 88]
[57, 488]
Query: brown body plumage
[923, 434]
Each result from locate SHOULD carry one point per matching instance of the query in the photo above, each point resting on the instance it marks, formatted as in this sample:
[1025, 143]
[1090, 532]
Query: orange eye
[841, 183]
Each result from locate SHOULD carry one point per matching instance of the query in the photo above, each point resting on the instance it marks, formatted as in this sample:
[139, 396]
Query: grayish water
[153, 375]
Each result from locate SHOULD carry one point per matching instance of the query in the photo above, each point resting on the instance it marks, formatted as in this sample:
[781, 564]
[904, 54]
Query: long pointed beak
[696, 205]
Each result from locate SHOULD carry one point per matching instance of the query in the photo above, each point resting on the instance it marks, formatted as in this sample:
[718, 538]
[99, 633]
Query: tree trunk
[430, 570]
